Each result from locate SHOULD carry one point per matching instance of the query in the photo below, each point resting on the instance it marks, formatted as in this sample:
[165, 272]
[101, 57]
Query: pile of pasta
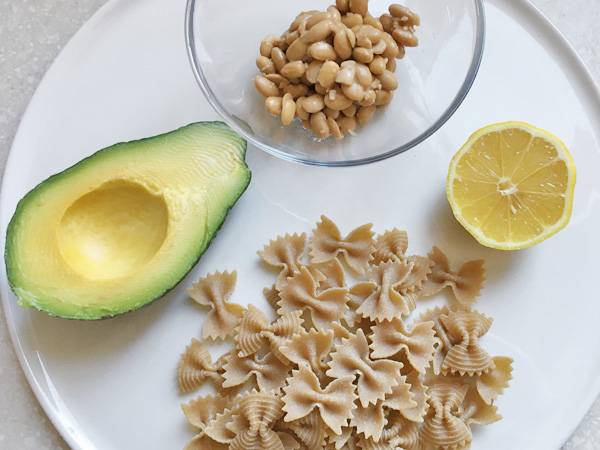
[341, 366]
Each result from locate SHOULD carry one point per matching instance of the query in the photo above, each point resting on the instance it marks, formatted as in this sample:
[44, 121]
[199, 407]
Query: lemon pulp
[511, 185]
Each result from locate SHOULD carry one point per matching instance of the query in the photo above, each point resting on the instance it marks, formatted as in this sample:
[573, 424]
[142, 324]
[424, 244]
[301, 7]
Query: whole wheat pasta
[466, 284]
[214, 291]
[341, 367]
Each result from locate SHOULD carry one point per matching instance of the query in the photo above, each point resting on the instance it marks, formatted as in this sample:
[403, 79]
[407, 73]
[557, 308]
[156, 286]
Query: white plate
[110, 384]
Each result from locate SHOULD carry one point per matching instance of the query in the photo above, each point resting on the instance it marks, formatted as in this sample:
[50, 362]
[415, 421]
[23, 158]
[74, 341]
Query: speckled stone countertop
[32, 33]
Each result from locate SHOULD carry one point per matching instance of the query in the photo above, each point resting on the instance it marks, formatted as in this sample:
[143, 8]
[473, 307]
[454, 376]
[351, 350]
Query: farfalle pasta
[393, 337]
[300, 293]
[310, 348]
[478, 412]
[269, 371]
[258, 412]
[346, 440]
[443, 343]
[492, 384]
[303, 394]
[356, 296]
[340, 365]
[418, 393]
[370, 420]
[330, 274]
[215, 291]
[204, 442]
[443, 426]
[398, 433]
[219, 429]
[255, 332]
[233, 391]
[390, 246]
[272, 297]
[392, 297]
[465, 355]
[309, 430]
[375, 378]
[284, 252]
[466, 284]
[196, 367]
[200, 411]
[356, 249]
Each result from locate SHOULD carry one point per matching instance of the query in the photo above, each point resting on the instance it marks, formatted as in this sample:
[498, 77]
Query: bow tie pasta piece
[200, 411]
[300, 293]
[330, 274]
[390, 246]
[368, 443]
[258, 412]
[418, 394]
[344, 441]
[370, 420]
[356, 296]
[466, 284]
[285, 252]
[393, 337]
[237, 390]
[269, 371]
[195, 367]
[272, 297]
[376, 378]
[421, 268]
[303, 394]
[356, 248]
[401, 398]
[289, 442]
[310, 430]
[204, 442]
[492, 384]
[248, 336]
[388, 300]
[443, 426]
[214, 291]
[465, 356]
[310, 348]
[402, 433]
[222, 427]
[443, 342]
[339, 332]
[255, 332]
[240, 389]
[478, 412]
[397, 434]
[434, 314]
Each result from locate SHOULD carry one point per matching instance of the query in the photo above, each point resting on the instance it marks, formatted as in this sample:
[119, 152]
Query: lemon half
[511, 185]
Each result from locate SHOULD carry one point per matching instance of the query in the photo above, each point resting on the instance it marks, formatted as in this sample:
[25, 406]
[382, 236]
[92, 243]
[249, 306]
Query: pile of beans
[332, 69]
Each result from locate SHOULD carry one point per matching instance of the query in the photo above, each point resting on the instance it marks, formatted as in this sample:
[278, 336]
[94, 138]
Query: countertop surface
[32, 33]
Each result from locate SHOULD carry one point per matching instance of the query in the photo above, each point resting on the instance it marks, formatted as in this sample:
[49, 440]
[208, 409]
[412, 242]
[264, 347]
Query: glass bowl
[223, 38]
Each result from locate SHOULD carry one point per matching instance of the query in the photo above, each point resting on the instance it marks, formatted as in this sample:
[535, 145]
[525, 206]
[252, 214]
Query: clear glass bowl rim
[474, 66]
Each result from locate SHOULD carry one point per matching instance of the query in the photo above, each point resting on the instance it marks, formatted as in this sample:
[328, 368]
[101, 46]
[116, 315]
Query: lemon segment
[511, 185]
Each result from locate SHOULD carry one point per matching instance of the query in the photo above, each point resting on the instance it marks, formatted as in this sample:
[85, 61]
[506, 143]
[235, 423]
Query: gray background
[32, 33]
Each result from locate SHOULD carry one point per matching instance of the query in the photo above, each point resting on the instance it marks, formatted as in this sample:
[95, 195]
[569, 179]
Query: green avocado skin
[216, 214]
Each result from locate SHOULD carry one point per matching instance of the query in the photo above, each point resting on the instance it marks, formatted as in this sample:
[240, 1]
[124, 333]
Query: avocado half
[122, 227]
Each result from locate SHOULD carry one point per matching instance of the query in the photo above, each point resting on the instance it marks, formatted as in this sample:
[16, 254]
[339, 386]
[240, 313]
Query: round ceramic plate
[110, 384]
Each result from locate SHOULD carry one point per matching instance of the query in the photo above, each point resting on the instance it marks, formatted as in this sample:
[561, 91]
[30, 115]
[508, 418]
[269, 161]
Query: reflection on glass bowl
[223, 37]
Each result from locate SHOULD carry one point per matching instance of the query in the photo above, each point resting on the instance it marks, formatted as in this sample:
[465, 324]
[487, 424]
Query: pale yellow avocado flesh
[113, 231]
[122, 227]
